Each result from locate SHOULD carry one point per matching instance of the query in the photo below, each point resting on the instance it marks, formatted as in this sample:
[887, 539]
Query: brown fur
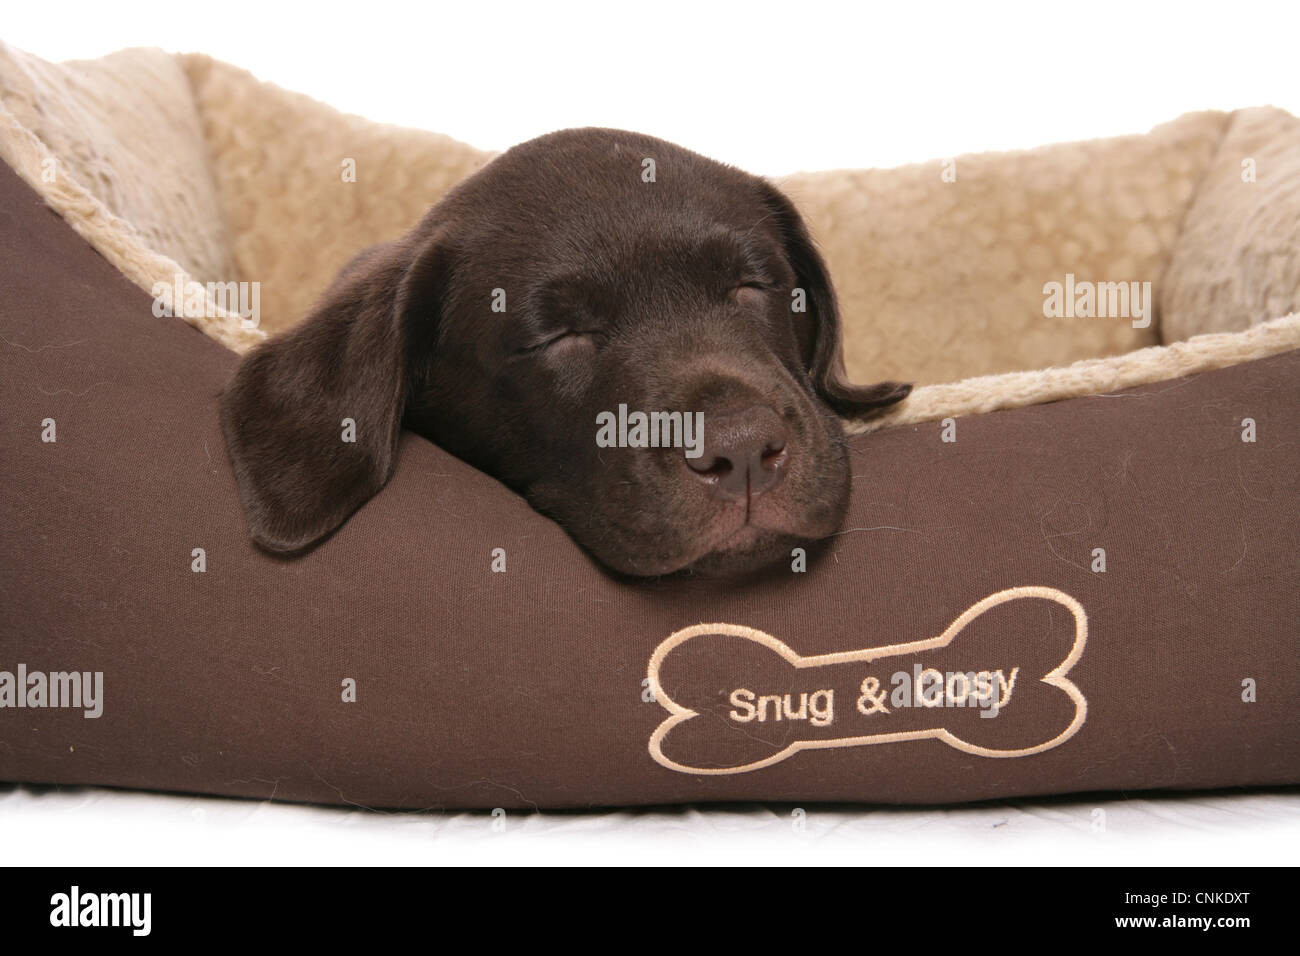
[667, 295]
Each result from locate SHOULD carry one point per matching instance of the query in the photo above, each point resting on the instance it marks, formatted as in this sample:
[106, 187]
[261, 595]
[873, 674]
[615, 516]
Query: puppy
[576, 273]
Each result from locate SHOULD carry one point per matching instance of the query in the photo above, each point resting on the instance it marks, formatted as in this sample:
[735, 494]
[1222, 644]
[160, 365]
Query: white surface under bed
[92, 826]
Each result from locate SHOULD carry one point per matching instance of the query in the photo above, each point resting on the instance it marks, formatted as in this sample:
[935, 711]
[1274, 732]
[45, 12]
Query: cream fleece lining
[988, 393]
[123, 245]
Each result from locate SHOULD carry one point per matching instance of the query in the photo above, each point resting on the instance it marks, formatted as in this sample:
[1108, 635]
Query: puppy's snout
[744, 453]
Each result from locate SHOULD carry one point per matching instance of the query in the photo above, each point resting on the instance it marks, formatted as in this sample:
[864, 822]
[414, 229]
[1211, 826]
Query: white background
[91, 827]
[770, 87]
[773, 88]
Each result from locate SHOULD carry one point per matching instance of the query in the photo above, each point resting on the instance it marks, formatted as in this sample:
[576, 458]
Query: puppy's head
[563, 320]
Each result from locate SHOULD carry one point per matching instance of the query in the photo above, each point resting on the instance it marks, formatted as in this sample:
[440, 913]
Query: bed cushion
[1237, 261]
[125, 127]
[303, 187]
[941, 265]
[555, 685]
[193, 165]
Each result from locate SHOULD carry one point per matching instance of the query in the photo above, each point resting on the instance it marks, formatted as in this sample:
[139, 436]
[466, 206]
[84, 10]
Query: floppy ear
[819, 336]
[312, 417]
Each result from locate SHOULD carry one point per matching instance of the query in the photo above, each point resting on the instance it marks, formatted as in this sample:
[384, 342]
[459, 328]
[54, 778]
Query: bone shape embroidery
[872, 701]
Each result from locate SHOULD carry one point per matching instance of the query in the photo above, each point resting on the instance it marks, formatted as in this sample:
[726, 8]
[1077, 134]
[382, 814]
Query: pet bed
[1069, 563]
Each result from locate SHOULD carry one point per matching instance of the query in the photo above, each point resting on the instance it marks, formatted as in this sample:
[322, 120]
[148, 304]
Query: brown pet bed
[1103, 560]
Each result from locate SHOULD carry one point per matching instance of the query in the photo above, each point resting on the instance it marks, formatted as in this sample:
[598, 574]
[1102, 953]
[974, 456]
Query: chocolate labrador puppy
[563, 320]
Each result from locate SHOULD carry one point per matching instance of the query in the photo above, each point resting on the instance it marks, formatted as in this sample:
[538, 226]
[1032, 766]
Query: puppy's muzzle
[745, 453]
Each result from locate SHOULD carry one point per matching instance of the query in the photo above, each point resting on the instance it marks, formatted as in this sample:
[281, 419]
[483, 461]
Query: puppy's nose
[744, 453]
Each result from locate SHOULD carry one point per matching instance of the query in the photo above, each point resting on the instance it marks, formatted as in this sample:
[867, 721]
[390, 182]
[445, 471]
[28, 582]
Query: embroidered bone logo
[993, 684]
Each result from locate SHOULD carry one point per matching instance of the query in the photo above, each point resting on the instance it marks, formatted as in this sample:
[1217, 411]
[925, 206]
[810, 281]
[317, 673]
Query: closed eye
[751, 293]
[564, 342]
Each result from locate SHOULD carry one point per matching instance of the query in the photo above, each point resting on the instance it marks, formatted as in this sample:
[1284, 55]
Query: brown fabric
[525, 689]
